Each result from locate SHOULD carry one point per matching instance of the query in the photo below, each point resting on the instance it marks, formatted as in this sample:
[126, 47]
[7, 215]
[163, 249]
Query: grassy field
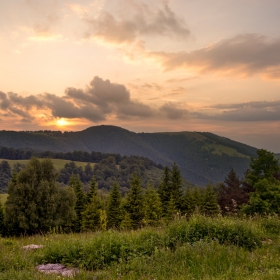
[3, 198]
[58, 163]
[200, 248]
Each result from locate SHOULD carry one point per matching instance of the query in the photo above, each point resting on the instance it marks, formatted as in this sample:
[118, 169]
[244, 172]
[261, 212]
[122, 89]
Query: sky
[147, 66]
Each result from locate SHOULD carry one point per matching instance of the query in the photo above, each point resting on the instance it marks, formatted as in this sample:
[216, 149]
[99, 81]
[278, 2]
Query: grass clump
[227, 231]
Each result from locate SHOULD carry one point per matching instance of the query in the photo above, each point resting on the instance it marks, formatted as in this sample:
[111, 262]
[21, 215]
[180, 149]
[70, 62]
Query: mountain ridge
[202, 156]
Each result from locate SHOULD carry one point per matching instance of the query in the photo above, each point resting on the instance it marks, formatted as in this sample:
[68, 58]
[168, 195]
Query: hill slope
[202, 156]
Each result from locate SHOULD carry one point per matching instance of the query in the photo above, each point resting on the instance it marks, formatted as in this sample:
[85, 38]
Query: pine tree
[152, 206]
[188, 202]
[113, 210]
[176, 186]
[127, 222]
[92, 189]
[171, 209]
[210, 204]
[90, 218]
[197, 194]
[164, 190]
[134, 202]
[76, 184]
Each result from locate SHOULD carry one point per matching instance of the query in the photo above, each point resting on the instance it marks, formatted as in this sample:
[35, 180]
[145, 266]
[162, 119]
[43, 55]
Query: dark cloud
[171, 111]
[245, 54]
[249, 111]
[144, 21]
[96, 103]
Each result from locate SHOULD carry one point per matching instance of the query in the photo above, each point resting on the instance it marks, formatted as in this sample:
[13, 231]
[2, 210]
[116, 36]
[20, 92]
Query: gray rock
[57, 268]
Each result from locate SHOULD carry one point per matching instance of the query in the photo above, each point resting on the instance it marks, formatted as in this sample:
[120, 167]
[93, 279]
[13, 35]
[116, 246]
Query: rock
[57, 268]
[32, 247]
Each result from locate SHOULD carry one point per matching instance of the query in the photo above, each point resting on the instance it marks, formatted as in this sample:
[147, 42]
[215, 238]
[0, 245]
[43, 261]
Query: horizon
[108, 125]
[165, 66]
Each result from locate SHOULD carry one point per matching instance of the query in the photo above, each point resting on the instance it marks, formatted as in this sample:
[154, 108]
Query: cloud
[99, 101]
[242, 55]
[137, 22]
[171, 111]
[249, 111]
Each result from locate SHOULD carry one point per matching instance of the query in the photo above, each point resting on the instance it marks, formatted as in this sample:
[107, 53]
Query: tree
[91, 215]
[266, 197]
[152, 206]
[188, 204]
[76, 184]
[32, 201]
[210, 205]
[164, 190]
[232, 194]
[134, 202]
[113, 210]
[92, 189]
[176, 186]
[66, 214]
[264, 166]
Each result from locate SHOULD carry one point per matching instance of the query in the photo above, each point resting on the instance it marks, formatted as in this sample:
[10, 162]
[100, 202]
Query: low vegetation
[194, 248]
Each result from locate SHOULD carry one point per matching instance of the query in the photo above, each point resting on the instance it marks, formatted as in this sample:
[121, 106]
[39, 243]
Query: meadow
[58, 163]
[195, 248]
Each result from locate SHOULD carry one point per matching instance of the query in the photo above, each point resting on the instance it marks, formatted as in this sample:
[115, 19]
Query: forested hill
[202, 157]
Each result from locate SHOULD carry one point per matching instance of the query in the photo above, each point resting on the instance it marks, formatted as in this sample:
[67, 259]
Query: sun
[61, 122]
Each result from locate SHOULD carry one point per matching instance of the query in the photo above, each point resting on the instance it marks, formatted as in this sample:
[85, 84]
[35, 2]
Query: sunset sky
[147, 66]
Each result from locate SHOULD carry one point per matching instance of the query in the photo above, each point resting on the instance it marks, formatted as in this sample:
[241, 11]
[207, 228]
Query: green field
[199, 248]
[58, 163]
[3, 198]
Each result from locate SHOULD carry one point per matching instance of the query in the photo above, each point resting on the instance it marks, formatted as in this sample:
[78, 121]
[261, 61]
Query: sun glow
[62, 122]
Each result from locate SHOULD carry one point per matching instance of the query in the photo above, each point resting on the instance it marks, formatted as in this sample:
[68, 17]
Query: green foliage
[152, 206]
[76, 184]
[113, 209]
[92, 189]
[134, 202]
[32, 202]
[127, 222]
[225, 231]
[66, 214]
[176, 186]
[91, 215]
[164, 190]
[262, 167]
[210, 205]
[1, 219]
[233, 193]
[266, 197]
[5, 175]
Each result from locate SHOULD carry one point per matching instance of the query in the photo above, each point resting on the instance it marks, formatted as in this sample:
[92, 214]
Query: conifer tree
[92, 189]
[127, 222]
[188, 202]
[171, 209]
[164, 190]
[210, 204]
[134, 202]
[114, 204]
[197, 195]
[90, 218]
[176, 186]
[152, 206]
[76, 184]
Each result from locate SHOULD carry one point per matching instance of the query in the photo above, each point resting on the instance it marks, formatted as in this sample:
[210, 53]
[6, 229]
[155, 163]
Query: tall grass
[198, 248]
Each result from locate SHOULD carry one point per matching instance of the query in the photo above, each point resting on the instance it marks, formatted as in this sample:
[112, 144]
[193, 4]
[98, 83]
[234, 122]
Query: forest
[41, 199]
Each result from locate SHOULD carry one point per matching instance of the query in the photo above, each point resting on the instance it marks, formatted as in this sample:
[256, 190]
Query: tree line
[36, 203]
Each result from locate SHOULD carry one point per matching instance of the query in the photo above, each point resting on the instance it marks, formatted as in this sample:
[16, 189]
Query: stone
[57, 268]
[32, 247]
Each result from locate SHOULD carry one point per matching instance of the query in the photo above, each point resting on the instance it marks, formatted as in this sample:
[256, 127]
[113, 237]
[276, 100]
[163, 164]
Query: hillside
[202, 156]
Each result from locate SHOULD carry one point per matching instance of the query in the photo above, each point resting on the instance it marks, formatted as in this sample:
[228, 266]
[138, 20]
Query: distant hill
[202, 157]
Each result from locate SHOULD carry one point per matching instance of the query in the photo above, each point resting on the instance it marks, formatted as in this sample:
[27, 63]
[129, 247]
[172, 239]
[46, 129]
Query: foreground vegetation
[197, 248]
